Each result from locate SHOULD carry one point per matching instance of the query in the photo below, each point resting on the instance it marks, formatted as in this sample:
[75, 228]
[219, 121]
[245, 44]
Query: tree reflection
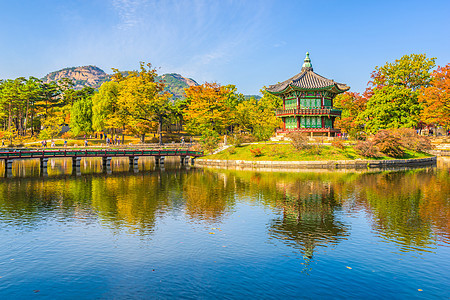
[410, 208]
[208, 196]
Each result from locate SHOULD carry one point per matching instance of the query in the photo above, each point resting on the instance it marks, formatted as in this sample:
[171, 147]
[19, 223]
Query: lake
[180, 232]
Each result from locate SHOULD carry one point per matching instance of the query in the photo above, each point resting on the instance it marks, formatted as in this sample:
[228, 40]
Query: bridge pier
[44, 162]
[8, 164]
[192, 160]
[134, 163]
[8, 167]
[159, 160]
[106, 162]
[184, 160]
[76, 162]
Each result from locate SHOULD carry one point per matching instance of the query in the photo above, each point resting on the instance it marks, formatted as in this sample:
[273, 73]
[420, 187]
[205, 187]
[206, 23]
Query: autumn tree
[352, 104]
[393, 93]
[142, 97]
[436, 98]
[207, 108]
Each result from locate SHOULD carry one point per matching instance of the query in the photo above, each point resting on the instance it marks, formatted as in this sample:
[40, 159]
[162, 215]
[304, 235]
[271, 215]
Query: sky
[250, 44]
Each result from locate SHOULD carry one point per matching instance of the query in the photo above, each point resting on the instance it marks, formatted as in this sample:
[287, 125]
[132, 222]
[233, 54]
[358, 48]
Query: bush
[209, 140]
[388, 143]
[256, 152]
[315, 149]
[411, 140]
[67, 135]
[338, 144]
[367, 149]
[360, 136]
[298, 140]
[241, 138]
[232, 150]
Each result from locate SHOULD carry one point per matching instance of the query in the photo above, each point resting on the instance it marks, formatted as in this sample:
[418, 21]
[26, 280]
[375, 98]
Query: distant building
[308, 102]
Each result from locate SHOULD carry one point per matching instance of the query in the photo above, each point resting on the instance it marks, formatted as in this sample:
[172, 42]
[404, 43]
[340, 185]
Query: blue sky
[247, 43]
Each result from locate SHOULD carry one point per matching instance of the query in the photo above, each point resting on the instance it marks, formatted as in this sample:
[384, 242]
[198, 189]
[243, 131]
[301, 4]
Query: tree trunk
[143, 138]
[160, 129]
[123, 134]
[26, 117]
[9, 116]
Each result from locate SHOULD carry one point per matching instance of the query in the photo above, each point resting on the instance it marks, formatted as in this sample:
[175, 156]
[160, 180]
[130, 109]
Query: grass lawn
[283, 152]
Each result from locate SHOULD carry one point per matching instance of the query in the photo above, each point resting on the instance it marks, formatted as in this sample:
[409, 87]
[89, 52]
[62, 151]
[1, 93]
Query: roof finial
[307, 66]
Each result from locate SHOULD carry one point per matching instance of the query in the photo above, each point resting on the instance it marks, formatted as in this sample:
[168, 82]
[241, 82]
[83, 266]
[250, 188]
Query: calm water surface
[192, 233]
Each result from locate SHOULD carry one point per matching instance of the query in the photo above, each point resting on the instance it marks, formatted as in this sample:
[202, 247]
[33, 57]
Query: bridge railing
[96, 153]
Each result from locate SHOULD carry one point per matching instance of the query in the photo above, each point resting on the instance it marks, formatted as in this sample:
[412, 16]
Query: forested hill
[175, 84]
[94, 77]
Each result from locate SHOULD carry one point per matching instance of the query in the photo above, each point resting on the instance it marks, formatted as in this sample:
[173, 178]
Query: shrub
[241, 138]
[298, 140]
[256, 152]
[338, 144]
[209, 140]
[411, 140]
[360, 136]
[196, 147]
[276, 151]
[67, 135]
[388, 143]
[315, 149]
[232, 150]
[367, 149]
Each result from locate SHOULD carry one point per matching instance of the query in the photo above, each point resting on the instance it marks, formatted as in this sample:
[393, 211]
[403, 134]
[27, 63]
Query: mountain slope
[82, 76]
[93, 76]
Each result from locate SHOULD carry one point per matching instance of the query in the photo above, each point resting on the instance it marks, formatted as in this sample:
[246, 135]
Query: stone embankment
[338, 164]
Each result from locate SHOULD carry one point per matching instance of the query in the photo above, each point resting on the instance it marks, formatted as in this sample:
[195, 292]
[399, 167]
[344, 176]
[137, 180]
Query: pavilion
[308, 102]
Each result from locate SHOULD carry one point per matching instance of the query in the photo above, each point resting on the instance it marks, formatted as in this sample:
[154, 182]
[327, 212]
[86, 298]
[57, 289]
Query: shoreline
[326, 164]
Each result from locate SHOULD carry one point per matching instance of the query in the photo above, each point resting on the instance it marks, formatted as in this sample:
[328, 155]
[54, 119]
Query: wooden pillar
[184, 160]
[192, 160]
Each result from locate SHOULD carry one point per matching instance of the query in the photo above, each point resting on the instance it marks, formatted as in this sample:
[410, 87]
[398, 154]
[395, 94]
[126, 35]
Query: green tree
[393, 93]
[81, 116]
[105, 110]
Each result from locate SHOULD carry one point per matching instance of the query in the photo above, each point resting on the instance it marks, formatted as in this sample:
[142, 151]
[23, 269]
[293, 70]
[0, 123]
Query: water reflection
[309, 217]
[63, 166]
[409, 208]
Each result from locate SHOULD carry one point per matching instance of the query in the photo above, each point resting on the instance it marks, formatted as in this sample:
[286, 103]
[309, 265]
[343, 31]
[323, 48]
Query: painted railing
[308, 112]
[287, 130]
[42, 153]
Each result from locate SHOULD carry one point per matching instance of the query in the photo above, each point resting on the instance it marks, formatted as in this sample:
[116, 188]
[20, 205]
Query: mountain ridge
[94, 77]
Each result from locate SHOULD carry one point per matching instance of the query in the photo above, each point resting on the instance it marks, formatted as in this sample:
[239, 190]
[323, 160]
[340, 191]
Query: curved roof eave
[334, 88]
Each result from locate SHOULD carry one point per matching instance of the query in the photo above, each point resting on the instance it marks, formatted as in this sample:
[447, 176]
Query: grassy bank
[286, 152]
